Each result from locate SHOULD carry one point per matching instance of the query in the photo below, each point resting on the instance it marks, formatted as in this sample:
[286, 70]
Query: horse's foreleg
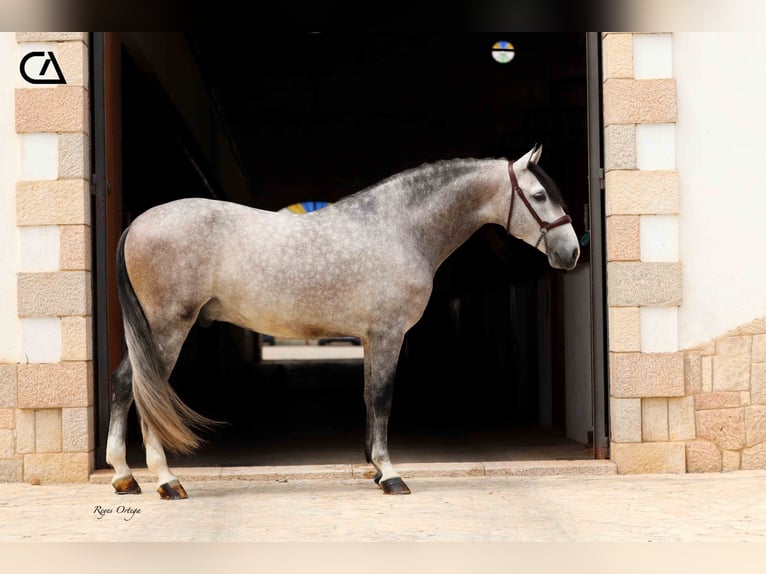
[123, 481]
[380, 358]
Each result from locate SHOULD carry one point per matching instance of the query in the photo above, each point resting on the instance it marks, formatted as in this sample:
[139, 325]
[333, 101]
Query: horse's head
[539, 217]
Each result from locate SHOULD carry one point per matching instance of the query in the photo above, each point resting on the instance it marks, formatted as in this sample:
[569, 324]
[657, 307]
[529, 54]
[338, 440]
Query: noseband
[545, 227]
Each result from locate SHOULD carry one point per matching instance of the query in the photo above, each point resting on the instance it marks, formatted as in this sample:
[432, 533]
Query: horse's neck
[447, 217]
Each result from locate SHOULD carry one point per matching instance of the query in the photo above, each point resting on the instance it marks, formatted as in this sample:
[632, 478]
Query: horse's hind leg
[169, 486]
[123, 481]
[381, 355]
[169, 337]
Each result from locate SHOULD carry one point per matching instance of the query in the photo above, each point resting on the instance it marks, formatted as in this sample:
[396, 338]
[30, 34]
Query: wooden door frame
[106, 188]
[599, 317]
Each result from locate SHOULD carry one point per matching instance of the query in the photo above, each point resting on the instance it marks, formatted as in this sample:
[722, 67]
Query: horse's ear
[531, 156]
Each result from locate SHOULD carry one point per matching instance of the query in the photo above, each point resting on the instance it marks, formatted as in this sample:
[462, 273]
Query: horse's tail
[160, 408]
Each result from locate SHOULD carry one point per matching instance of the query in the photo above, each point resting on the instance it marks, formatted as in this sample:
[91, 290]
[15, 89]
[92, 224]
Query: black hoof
[126, 485]
[394, 486]
[172, 491]
[378, 475]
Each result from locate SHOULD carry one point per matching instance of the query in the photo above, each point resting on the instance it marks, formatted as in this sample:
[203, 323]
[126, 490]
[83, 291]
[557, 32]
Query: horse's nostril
[575, 253]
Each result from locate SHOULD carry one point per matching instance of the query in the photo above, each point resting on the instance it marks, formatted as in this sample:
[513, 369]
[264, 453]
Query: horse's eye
[539, 196]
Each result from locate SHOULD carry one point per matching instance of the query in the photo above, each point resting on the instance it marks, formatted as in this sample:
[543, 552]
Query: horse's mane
[550, 186]
[427, 177]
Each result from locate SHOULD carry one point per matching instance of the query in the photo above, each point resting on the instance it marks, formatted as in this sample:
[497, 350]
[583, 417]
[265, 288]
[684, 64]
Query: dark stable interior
[320, 116]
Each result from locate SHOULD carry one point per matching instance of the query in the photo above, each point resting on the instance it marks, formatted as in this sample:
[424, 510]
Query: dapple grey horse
[363, 267]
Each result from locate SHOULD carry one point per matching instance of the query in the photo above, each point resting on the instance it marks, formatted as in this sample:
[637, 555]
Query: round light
[503, 52]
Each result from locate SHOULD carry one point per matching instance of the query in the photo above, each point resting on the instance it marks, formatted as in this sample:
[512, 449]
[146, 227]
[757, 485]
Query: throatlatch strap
[545, 227]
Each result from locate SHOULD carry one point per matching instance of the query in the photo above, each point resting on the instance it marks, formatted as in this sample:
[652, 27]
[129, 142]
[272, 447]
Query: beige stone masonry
[75, 250]
[752, 458]
[48, 430]
[625, 417]
[639, 192]
[76, 339]
[717, 400]
[52, 110]
[649, 457]
[758, 383]
[73, 59]
[25, 431]
[57, 202]
[77, 429]
[633, 284]
[757, 328]
[10, 470]
[47, 409]
[8, 385]
[628, 101]
[693, 373]
[618, 56]
[681, 418]
[51, 36]
[707, 349]
[724, 427]
[57, 467]
[636, 375]
[731, 364]
[74, 160]
[54, 294]
[654, 419]
[624, 329]
[755, 425]
[758, 349]
[707, 374]
[6, 443]
[55, 385]
[7, 419]
[703, 456]
[732, 460]
[620, 147]
[624, 238]
[652, 415]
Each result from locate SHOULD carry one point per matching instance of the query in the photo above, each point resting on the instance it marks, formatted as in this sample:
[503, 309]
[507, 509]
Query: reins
[545, 226]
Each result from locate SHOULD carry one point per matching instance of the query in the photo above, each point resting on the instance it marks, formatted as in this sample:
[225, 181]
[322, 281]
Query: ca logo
[43, 74]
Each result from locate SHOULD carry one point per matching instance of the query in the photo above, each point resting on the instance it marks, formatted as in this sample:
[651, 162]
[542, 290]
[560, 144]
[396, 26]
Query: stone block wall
[671, 409]
[652, 415]
[726, 380]
[46, 399]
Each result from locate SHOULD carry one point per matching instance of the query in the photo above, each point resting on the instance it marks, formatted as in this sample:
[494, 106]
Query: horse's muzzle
[565, 259]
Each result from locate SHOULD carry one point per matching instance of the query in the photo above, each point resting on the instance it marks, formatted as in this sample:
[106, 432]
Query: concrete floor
[720, 507]
[311, 412]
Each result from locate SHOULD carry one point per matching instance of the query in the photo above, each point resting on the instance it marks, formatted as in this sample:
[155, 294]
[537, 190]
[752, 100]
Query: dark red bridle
[545, 227]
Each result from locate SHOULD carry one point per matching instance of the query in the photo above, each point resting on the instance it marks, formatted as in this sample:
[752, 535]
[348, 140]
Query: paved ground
[702, 508]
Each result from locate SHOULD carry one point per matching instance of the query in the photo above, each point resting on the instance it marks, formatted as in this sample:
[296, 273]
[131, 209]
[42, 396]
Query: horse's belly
[280, 315]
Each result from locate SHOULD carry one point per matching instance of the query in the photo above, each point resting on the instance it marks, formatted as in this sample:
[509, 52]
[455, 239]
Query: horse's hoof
[172, 491]
[126, 485]
[377, 477]
[394, 486]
